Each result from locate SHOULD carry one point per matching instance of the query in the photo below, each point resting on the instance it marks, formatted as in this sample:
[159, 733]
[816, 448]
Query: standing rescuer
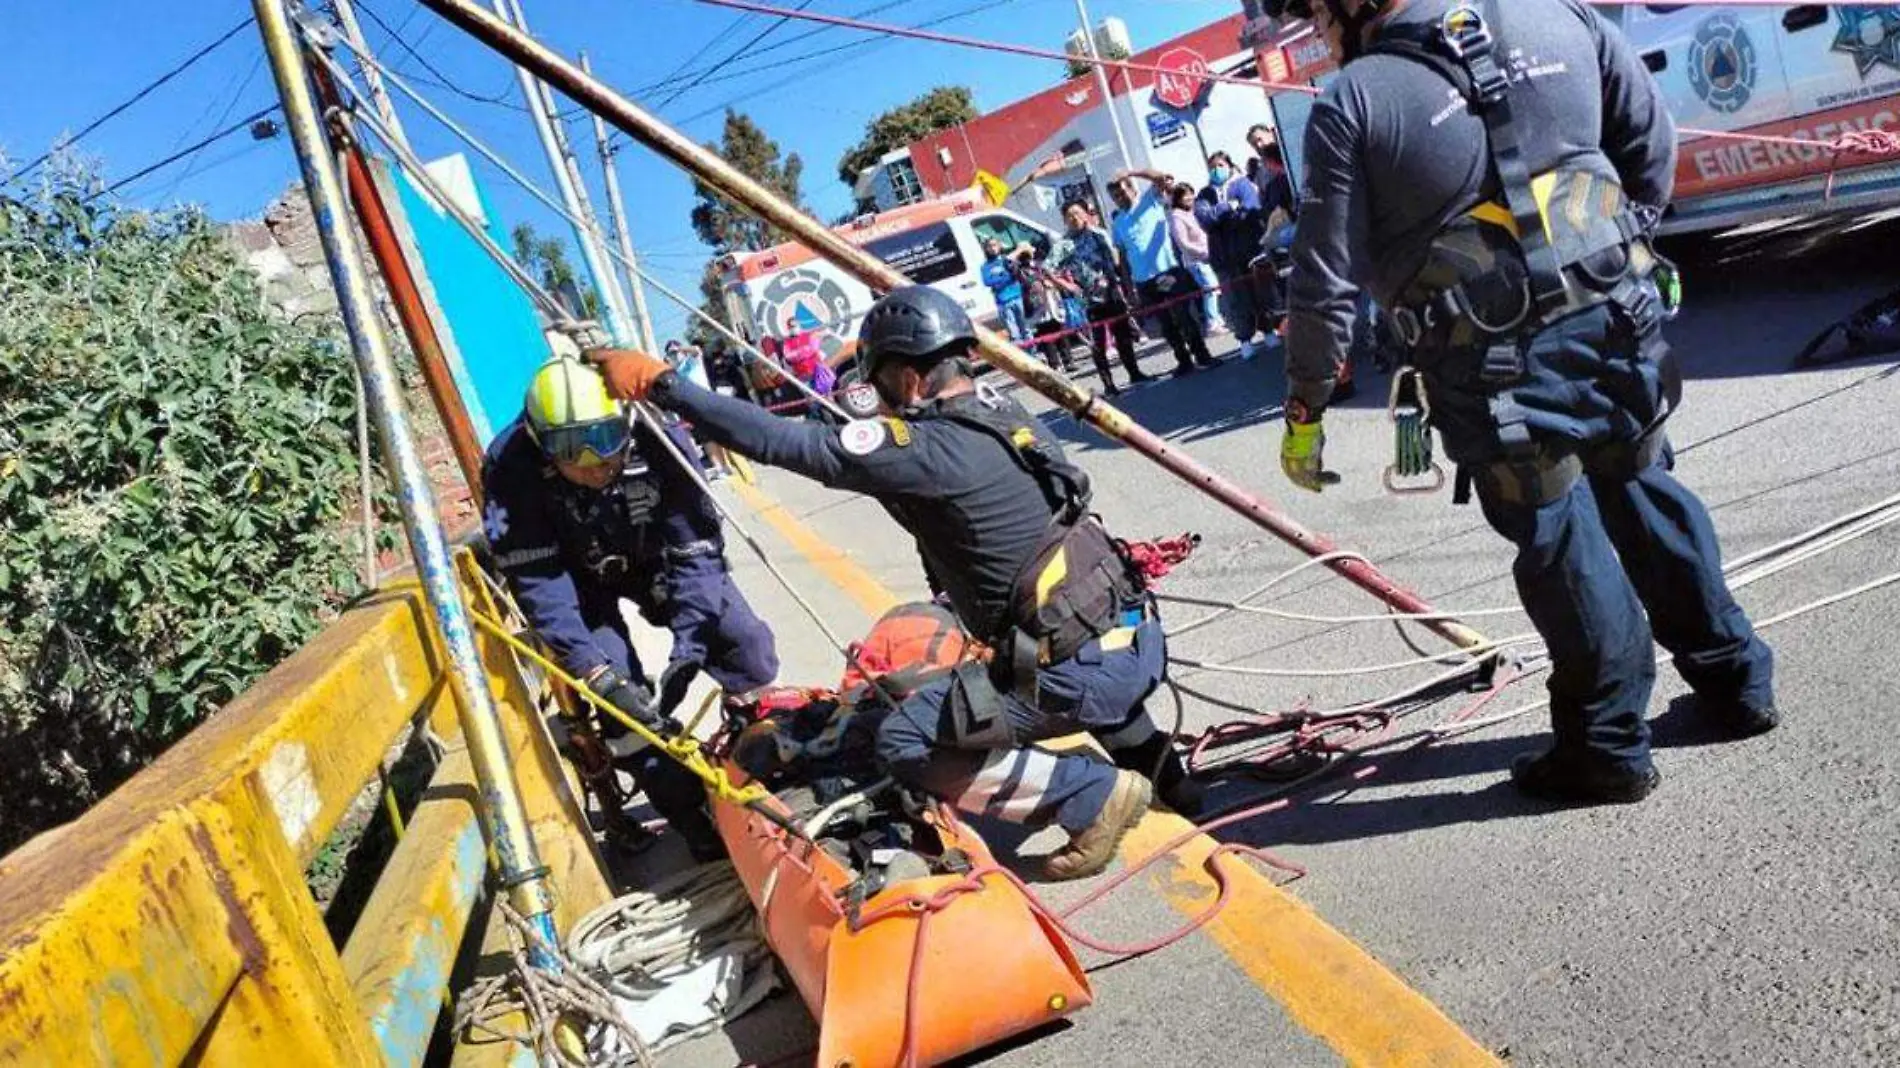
[1490, 172]
[583, 511]
[1001, 521]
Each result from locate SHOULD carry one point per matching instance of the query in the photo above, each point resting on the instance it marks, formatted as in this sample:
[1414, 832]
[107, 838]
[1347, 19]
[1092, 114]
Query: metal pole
[346, 16]
[709, 168]
[566, 180]
[1101, 83]
[617, 218]
[503, 815]
[406, 296]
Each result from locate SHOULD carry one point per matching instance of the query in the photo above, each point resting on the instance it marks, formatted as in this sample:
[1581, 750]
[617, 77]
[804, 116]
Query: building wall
[1013, 140]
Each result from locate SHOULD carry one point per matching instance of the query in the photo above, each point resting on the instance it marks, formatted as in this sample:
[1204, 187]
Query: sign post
[1181, 85]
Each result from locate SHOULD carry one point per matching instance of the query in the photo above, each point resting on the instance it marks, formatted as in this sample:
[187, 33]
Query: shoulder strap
[1065, 485]
[1461, 49]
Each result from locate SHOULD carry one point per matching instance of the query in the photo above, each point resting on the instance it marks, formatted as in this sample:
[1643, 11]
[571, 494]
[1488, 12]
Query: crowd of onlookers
[1172, 261]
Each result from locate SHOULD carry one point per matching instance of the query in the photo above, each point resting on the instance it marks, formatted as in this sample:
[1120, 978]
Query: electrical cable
[443, 81]
[730, 57]
[241, 124]
[119, 108]
[746, 348]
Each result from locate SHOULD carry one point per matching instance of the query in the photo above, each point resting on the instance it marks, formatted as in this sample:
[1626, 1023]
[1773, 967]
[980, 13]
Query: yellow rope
[684, 749]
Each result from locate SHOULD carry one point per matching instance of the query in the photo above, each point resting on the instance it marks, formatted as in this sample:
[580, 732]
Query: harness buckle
[1465, 33]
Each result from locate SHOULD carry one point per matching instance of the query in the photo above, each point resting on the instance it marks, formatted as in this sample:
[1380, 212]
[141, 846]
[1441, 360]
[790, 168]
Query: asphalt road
[1746, 914]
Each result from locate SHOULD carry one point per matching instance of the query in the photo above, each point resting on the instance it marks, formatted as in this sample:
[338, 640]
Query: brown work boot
[1094, 846]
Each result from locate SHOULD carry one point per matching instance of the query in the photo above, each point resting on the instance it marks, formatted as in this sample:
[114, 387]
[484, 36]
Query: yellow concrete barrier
[172, 923]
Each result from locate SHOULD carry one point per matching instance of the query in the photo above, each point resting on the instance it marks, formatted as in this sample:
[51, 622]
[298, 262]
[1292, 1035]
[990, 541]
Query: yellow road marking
[845, 573]
[1327, 984]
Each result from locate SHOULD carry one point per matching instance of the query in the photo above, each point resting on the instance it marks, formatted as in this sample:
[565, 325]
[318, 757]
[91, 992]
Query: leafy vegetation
[939, 109]
[176, 462]
[546, 258]
[724, 226]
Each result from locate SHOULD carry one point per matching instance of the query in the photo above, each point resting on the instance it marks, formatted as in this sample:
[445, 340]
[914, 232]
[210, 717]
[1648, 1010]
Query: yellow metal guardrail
[171, 924]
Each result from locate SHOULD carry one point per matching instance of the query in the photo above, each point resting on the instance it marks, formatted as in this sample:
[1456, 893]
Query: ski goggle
[586, 444]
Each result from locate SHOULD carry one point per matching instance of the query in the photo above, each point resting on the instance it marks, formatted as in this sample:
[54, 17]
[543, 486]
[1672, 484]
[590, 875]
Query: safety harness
[1558, 243]
[1079, 584]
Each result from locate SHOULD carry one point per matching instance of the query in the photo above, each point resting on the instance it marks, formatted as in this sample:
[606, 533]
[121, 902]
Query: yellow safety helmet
[572, 417]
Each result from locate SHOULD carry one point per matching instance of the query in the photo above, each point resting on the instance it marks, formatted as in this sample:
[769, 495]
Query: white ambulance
[1797, 73]
[788, 288]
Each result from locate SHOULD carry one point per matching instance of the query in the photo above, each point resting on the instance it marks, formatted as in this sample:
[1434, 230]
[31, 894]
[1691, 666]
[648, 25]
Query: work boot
[1094, 846]
[1572, 780]
[1737, 719]
[1173, 786]
[1137, 378]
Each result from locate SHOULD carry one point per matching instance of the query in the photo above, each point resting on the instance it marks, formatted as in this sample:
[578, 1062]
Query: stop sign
[1182, 77]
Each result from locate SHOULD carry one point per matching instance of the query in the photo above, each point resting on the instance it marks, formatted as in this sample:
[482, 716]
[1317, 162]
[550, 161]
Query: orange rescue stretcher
[917, 974]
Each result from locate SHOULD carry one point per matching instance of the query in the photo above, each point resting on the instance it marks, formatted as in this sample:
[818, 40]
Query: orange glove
[630, 373]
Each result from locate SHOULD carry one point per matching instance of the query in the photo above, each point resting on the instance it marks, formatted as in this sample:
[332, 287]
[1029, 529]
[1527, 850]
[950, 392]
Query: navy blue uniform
[1393, 157]
[651, 537]
[976, 517]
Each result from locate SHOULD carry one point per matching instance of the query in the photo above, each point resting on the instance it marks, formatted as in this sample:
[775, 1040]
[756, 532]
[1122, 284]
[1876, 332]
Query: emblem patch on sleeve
[862, 437]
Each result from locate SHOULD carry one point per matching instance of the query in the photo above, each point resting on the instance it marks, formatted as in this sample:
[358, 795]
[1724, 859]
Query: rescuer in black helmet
[1001, 520]
[1490, 174]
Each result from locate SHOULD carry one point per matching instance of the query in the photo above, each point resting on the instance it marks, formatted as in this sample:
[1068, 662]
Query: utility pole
[373, 78]
[1101, 82]
[567, 179]
[617, 218]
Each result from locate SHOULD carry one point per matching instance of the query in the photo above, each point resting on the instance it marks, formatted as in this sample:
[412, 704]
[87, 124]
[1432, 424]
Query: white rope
[640, 944]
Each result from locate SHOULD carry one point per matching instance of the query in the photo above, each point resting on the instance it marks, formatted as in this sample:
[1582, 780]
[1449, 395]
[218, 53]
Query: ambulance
[788, 288]
[1807, 72]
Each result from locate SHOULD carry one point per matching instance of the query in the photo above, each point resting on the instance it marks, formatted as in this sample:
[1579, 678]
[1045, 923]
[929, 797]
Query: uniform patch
[900, 432]
[862, 437]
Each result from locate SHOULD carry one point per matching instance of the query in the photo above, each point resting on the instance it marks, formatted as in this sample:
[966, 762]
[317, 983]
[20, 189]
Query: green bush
[176, 462]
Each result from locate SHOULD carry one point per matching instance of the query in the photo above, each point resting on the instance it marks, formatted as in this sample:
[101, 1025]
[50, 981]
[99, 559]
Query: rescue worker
[583, 511]
[1538, 333]
[1000, 519]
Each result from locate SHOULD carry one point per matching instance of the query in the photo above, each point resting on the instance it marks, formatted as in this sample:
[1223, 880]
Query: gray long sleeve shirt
[1394, 154]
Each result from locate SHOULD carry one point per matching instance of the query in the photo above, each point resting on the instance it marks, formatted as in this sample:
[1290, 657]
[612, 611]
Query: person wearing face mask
[1229, 211]
[1492, 174]
[1001, 520]
[584, 510]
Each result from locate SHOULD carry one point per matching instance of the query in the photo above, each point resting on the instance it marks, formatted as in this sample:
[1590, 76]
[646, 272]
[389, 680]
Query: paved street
[1744, 915]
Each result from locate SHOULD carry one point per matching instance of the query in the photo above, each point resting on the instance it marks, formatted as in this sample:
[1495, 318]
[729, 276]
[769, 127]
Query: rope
[551, 1000]
[641, 942]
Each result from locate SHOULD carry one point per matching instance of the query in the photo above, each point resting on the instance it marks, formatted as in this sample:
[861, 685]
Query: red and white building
[1070, 120]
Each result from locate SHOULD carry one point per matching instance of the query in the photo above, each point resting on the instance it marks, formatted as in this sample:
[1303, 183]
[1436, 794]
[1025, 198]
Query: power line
[241, 124]
[180, 68]
[443, 81]
[735, 54]
[679, 74]
[864, 43]
[191, 167]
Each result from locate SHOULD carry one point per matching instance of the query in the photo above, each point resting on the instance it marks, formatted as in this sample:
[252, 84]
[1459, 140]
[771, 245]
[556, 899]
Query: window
[924, 255]
[1011, 232]
[905, 187]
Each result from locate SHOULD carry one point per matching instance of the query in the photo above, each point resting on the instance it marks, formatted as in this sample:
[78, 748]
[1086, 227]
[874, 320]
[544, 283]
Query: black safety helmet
[910, 324]
[1353, 23]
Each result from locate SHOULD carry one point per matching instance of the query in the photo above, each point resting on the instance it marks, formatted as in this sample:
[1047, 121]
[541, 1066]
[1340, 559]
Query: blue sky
[62, 64]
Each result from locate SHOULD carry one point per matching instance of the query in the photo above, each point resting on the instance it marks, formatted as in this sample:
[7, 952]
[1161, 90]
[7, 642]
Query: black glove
[626, 695]
[673, 685]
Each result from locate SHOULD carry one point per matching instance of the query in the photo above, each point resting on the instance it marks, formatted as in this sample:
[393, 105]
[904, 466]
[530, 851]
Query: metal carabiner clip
[1412, 446]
